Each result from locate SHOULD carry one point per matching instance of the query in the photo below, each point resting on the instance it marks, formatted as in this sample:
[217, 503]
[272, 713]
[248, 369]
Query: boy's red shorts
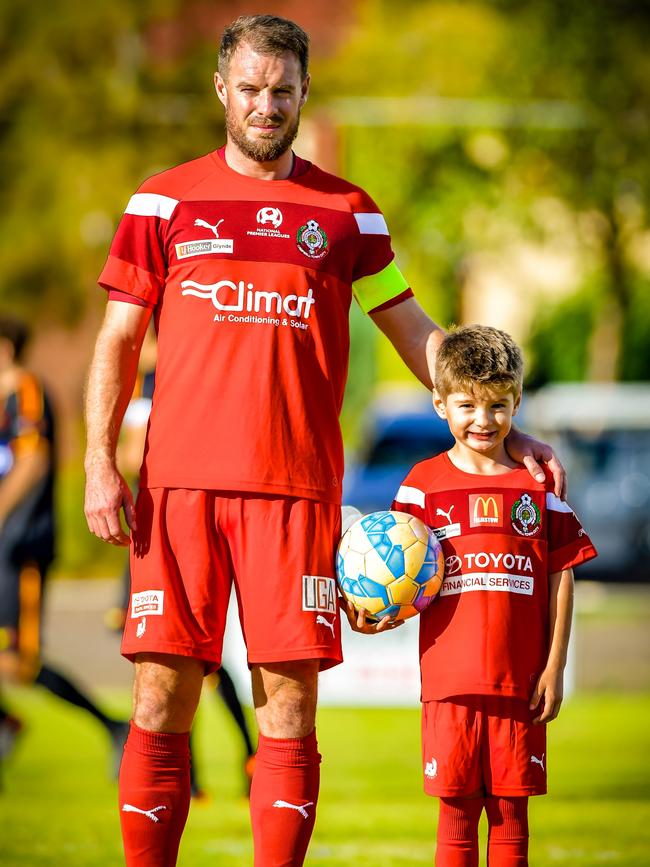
[190, 545]
[482, 743]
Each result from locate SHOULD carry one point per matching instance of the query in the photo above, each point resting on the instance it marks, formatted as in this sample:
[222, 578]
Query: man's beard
[261, 150]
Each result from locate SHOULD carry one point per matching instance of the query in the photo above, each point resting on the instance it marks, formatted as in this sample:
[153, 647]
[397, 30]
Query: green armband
[379, 288]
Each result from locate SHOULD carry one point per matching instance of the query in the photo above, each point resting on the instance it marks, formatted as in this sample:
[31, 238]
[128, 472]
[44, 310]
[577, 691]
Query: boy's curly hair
[478, 358]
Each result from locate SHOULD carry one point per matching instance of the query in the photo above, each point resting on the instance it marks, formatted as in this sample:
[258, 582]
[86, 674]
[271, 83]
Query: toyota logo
[270, 215]
[453, 564]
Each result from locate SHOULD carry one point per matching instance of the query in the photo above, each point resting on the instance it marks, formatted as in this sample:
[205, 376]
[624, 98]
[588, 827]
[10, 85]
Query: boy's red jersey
[251, 283]
[487, 632]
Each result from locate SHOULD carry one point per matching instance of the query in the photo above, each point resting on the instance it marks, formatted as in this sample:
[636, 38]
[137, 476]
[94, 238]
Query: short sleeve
[137, 261]
[568, 543]
[377, 281]
[410, 499]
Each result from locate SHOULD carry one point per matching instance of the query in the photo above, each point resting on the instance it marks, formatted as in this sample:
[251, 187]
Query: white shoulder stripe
[555, 504]
[410, 495]
[151, 205]
[371, 224]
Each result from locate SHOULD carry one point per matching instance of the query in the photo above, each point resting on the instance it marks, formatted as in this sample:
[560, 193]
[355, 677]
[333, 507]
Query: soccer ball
[389, 563]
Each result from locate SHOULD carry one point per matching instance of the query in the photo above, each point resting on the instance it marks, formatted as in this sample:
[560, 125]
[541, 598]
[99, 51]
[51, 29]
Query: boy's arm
[549, 687]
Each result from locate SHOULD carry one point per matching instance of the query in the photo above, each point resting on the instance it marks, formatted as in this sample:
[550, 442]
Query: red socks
[283, 799]
[457, 844]
[508, 835]
[154, 796]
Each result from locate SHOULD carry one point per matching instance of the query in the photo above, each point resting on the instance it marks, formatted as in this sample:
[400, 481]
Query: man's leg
[155, 773]
[285, 786]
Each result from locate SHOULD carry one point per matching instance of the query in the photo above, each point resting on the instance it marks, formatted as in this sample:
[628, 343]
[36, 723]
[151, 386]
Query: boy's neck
[493, 463]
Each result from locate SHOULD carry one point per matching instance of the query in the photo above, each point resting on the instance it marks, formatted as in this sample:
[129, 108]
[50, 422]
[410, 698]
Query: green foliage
[558, 350]
[58, 802]
[557, 121]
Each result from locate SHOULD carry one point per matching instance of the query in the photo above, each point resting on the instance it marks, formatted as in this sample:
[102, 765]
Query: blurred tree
[510, 120]
[84, 112]
[595, 54]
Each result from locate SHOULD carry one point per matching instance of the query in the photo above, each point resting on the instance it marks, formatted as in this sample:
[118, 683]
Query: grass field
[58, 806]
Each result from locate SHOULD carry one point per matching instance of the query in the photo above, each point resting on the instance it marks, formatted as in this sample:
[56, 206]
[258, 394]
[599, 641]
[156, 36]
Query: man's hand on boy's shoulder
[359, 622]
[528, 451]
[548, 693]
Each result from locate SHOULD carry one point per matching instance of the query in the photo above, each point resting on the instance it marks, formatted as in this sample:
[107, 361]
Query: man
[248, 258]
[27, 535]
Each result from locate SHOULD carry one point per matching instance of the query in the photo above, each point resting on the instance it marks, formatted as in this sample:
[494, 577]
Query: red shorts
[482, 743]
[191, 545]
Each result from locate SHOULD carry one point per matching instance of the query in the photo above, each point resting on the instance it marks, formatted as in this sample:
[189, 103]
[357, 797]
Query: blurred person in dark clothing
[27, 536]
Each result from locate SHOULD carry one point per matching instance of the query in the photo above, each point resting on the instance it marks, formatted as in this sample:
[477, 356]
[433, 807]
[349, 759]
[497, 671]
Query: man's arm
[414, 335]
[550, 686]
[416, 338]
[109, 388]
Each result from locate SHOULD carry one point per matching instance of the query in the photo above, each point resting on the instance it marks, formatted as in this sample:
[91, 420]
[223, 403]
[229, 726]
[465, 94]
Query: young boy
[493, 645]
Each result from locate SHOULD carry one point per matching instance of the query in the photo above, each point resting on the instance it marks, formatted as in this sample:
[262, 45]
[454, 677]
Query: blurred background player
[27, 536]
[503, 614]
[129, 459]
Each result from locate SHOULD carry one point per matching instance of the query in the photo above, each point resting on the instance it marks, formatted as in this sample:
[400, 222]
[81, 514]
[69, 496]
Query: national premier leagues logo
[525, 516]
[312, 240]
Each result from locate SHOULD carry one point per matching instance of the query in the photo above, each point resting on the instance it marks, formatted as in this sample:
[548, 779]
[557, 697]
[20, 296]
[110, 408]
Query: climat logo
[242, 297]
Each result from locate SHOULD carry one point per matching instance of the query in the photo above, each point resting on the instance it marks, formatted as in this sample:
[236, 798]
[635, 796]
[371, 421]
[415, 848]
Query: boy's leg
[514, 769]
[451, 744]
[508, 831]
[457, 843]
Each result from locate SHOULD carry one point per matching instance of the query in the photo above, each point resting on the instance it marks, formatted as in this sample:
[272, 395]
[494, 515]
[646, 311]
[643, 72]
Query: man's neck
[277, 170]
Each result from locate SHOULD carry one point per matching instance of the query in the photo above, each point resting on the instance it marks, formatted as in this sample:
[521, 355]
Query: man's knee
[166, 692]
[285, 696]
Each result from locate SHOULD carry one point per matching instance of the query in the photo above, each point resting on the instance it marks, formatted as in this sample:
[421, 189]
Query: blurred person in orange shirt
[27, 536]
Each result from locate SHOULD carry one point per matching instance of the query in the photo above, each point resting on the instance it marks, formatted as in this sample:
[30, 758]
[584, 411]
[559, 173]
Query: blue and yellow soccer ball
[389, 563]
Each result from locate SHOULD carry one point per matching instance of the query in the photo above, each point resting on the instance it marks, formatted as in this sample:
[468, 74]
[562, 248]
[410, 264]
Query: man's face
[262, 96]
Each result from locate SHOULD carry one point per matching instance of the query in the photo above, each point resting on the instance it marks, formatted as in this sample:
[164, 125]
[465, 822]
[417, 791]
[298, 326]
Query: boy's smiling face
[479, 421]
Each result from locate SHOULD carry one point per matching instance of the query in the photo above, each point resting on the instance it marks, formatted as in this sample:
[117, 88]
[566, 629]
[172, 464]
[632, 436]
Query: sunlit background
[507, 144]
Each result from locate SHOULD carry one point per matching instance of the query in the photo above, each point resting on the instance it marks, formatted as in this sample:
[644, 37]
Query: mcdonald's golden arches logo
[486, 510]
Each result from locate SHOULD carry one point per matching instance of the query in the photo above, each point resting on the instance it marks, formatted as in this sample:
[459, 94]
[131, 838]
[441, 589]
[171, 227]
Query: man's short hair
[266, 34]
[16, 332]
[477, 358]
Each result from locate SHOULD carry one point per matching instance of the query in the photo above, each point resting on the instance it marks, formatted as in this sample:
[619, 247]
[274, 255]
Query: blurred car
[400, 430]
[601, 433]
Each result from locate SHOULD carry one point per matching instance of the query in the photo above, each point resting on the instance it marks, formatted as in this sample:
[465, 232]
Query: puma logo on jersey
[447, 515]
[205, 225]
[300, 809]
[450, 529]
[431, 769]
[325, 622]
[150, 814]
[537, 761]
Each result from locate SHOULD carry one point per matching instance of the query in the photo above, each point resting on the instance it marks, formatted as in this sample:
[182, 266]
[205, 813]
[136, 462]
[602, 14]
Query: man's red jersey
[487, 632]
[251, 283]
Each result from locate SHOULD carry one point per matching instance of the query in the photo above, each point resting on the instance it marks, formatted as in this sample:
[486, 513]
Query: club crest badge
[525, 516]
[312, 240]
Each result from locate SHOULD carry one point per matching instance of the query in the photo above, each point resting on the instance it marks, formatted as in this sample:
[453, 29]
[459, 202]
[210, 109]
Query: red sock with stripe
[154, 796]
[508, 831]
[457, 844]
[283, 799]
